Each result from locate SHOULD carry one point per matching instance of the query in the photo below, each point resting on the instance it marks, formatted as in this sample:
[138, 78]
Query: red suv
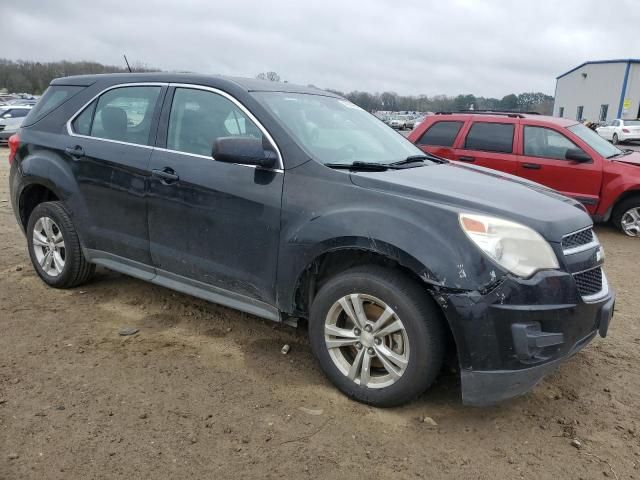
[557, 152]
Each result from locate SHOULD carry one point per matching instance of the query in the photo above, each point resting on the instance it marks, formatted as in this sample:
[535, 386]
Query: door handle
[532, 166]
[466, 159]
[75, 152]
[166, 175]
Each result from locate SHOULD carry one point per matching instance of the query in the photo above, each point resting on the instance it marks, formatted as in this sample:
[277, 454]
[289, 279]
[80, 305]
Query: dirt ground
[204, 392]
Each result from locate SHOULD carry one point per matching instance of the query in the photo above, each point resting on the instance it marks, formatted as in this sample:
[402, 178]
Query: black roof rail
[505, 113]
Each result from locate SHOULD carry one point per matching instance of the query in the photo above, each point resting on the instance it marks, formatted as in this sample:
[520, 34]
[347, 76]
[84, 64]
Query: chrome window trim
[229, 97]
[112, 87]
[205, 157]
[243, 109]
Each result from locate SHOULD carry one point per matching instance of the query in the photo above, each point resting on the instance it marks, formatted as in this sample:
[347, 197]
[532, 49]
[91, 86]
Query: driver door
[543, 161]
[214, 223]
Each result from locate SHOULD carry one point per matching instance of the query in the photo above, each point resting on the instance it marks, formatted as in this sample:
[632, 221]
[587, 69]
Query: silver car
[11, 118]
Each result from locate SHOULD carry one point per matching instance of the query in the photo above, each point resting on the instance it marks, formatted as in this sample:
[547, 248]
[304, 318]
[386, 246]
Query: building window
[561, 112]
[604, 109]
[579, 113]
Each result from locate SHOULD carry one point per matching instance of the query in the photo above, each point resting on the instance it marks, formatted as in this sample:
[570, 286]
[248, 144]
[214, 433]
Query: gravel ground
[204, 392]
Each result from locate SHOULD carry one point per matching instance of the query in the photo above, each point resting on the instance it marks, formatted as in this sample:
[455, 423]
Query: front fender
[321, 216]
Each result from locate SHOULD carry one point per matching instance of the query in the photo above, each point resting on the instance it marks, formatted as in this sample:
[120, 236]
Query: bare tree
[270, 76]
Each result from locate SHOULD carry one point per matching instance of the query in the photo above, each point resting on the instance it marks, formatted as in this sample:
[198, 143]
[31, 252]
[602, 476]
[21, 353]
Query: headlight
[513, 246]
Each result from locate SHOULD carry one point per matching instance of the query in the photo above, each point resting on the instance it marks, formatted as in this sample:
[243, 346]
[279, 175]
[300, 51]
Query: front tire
[54, 247]
[615, 139]
[377, 335]
[626, 217]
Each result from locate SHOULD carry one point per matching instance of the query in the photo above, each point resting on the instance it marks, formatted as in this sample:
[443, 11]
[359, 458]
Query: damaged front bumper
[509, 338]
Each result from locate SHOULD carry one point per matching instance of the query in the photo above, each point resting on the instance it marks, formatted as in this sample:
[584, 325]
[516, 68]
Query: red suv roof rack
[505, 113]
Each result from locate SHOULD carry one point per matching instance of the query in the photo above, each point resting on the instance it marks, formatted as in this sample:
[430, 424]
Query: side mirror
[577, 155]
[244, 150]
[7, 115]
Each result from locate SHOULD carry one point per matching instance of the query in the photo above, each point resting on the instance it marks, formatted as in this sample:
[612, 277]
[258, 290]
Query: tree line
[391, 101]
[524, 102]
[33, 77]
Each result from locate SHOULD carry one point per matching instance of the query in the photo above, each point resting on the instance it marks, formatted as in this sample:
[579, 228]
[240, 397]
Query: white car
[11, 118]
[619, 130]
[417, 121]
[401, 122]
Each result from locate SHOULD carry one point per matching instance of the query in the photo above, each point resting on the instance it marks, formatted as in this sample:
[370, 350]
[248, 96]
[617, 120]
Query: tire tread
[80, 269]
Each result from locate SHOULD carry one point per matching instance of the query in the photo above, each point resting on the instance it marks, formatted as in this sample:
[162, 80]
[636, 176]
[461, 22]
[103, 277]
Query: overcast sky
[488, 48]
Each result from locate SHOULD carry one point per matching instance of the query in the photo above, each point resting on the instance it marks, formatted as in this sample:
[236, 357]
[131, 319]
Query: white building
[599, 91]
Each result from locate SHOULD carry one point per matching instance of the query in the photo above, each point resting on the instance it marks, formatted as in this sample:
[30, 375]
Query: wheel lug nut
[370, 351]
[367, 328]
[359, 346]
[377, 341]
[357, 331]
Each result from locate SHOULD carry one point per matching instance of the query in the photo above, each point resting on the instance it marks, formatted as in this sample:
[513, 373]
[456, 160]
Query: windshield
[334, 130]
[632, 123]
[595, 141]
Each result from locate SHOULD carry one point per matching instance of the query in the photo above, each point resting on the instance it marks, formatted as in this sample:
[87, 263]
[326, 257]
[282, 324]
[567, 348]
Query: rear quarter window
[52, 98]
[490, 137]
[441, 134]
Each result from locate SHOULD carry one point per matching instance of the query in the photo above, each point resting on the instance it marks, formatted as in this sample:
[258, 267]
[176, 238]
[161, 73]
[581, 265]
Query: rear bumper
[629, 136]
[510, 338]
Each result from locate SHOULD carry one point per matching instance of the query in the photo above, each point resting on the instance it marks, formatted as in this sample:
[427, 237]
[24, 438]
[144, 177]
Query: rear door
[489, 143]
[543, 161]
[212, 222]
[109, 149]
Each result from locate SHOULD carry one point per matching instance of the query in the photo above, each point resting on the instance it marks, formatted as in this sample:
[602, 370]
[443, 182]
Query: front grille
[578, 239]
[589, 282]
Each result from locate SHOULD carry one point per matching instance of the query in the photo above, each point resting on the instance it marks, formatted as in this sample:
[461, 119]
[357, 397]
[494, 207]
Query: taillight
[14, 143]
[626, 130]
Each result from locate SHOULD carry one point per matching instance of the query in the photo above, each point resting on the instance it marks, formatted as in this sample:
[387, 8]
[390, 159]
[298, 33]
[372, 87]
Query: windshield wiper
[621, 154]
[420, 158]
[363, 166]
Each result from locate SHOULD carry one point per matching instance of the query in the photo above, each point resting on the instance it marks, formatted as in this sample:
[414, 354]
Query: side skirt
[183, 284]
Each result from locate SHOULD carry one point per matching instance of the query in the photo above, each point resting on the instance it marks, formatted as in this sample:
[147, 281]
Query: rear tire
[626, 216]
[397, 359]
[54, 247]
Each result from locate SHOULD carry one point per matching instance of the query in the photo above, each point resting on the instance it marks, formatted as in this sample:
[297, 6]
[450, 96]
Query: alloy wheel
[48, 246]
[631, 222]
[366, 340]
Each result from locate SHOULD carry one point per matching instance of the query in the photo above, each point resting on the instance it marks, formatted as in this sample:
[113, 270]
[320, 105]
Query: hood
[481, 190]
[632, 159]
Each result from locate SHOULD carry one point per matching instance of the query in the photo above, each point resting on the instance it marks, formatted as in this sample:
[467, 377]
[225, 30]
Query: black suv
[289, 202]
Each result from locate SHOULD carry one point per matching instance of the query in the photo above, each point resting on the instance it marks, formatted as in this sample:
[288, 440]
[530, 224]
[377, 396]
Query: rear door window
[123, 114]
[490, 137]
[441, 134]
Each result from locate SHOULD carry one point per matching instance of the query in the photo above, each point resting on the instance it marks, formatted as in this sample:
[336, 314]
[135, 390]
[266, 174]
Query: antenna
[127, 62]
